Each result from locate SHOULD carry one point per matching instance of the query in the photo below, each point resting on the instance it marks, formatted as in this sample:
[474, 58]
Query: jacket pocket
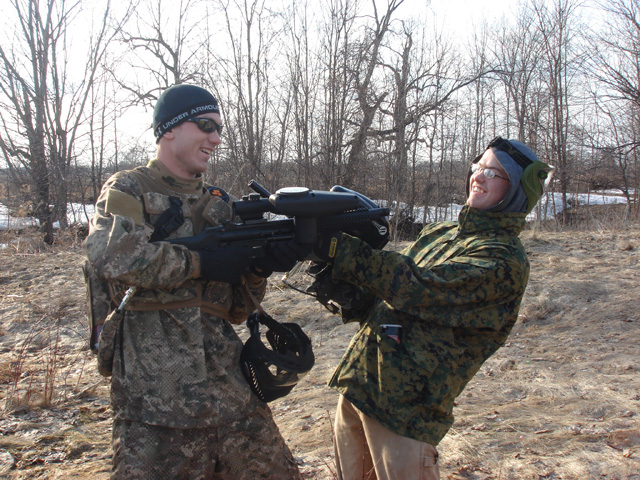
[107, 342]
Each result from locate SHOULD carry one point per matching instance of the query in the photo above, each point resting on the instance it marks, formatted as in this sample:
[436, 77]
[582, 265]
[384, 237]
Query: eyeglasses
[206, 125]
[488, 173]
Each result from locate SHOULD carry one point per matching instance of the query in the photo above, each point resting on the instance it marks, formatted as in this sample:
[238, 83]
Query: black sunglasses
[206, 125]
[507, 147]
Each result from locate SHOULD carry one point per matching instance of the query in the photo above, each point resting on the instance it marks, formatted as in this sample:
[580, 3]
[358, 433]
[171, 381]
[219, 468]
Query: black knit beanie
[179, 103]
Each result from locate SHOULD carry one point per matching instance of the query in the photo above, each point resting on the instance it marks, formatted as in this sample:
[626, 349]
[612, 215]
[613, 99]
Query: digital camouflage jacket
[456, 293]
[176, 359]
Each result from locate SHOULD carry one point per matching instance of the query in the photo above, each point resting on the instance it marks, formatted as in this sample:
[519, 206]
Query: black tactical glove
[337, 296]
[327, 245]
[225, 264]
[279, 257]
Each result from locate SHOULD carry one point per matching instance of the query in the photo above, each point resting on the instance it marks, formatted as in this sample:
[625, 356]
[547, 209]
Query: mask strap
[500, 143]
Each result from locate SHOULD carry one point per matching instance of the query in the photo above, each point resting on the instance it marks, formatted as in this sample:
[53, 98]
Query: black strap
[509, 148]
[169, 221]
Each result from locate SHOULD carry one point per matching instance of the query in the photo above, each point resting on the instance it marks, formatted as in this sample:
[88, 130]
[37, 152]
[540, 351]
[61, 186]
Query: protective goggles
[206, 125]
[500, 143]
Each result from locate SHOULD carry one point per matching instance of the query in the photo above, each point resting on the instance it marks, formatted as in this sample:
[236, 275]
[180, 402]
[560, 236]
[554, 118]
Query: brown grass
[559, 401]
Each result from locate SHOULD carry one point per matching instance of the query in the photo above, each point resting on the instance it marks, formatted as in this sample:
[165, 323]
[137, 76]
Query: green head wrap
[534, 179]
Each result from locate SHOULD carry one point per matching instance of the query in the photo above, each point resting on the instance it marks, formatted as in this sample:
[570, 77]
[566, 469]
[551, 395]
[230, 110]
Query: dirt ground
[561, 400]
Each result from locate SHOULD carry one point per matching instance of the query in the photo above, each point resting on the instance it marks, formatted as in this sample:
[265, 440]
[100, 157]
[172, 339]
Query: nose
[214, 138]
[479, 176]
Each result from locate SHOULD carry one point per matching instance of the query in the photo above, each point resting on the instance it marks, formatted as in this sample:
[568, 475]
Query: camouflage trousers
[250, 448]
[365, 450]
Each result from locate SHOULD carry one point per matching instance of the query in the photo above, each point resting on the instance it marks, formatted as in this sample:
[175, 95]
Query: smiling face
[486, 192]
[186, 150]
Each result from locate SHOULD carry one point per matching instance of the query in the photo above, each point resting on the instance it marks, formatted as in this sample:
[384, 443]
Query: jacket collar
[474, 221]
[180, 185]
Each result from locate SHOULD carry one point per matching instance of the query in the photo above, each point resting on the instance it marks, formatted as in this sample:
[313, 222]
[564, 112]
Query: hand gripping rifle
[308, 212]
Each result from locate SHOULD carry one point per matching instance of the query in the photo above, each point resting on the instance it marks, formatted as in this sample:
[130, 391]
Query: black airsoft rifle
[307, 213]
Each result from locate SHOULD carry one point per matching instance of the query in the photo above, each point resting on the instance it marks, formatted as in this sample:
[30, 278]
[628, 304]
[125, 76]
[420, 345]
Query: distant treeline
[381, 100]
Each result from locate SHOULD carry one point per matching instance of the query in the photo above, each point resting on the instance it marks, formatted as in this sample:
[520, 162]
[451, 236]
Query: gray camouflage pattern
[144, 451]
[456, 293]
[176, 362]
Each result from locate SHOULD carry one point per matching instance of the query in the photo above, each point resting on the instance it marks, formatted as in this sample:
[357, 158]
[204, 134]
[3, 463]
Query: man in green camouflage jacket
[182, 408]
[438, 310]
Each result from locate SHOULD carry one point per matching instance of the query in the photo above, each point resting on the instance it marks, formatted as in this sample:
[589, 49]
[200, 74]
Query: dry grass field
[561, 400]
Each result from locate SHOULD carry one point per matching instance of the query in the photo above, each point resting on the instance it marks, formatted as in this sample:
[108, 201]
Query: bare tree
[305, 74]
[557, 28]
[44, 106]
[615, 64]
[616, 51]
[517, 50]
[334, 111]
[244, 77]
[397, 173]
[420, 94]
[369, 98]
[163, 48]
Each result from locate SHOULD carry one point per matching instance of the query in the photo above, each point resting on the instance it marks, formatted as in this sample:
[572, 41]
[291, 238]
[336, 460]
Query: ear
[170, 135]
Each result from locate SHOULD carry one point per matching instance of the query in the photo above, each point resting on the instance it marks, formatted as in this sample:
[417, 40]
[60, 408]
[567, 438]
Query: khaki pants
[365, 450]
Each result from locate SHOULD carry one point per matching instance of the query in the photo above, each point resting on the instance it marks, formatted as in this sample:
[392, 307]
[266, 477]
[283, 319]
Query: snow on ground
[76, 213]
[551, 206]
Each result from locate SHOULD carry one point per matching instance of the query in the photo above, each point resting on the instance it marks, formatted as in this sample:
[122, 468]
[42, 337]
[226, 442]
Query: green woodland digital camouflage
[456, 300]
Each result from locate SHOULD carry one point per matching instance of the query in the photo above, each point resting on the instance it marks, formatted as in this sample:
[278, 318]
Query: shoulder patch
[119, 203]
[218, 192]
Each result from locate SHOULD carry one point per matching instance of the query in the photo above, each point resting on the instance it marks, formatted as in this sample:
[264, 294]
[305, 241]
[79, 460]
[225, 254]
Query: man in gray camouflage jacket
[434, 313]
[182, 408]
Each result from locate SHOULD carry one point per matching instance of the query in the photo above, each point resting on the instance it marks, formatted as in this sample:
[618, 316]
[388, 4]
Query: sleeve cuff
[195, 261]
[347, 247]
